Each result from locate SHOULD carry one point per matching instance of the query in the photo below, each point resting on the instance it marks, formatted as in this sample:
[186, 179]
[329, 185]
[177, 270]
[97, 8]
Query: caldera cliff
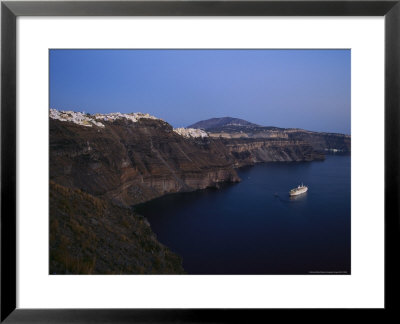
[248, 151]
[132, 162]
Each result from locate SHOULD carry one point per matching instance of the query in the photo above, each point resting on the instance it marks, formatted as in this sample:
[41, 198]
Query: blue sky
[307, 89]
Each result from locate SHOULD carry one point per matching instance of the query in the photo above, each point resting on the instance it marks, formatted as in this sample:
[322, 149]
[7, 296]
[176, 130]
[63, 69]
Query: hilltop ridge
[230, 128]
[221, 122]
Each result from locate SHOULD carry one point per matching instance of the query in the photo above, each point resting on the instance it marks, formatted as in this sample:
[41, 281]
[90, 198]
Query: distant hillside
[221, 122]
[234, 128]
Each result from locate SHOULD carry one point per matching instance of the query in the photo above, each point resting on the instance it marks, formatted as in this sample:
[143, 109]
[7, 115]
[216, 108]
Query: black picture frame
[10, 10]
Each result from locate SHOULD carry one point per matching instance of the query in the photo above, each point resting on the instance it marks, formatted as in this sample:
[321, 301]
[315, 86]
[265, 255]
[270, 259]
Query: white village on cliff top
[88, 120]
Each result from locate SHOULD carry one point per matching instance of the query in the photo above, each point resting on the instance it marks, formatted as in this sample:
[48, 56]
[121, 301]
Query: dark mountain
[221, 122]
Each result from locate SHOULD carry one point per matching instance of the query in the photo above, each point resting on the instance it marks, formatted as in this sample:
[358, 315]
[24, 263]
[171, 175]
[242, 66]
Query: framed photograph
[198, 161]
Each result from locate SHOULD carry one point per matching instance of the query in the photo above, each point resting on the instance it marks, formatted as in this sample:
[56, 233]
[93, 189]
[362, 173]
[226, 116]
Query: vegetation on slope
[89, 235]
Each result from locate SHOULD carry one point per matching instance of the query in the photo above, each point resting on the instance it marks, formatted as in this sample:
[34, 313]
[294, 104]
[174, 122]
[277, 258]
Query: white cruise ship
[298, 191]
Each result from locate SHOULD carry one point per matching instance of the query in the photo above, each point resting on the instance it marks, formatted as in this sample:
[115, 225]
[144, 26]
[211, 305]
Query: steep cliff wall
[132, 162]
[322, 141]
[250, 151]
[318, 141]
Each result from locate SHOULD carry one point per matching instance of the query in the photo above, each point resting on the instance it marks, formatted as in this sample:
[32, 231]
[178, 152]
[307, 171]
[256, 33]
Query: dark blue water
[253, 227]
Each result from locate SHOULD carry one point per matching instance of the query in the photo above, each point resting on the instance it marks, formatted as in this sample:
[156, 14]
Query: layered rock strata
[249, 151]
[132, 162]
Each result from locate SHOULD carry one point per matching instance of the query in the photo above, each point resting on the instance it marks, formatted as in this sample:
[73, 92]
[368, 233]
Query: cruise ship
[298, 191]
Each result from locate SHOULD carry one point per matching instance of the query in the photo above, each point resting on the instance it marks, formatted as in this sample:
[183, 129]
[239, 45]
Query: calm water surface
[254, 227]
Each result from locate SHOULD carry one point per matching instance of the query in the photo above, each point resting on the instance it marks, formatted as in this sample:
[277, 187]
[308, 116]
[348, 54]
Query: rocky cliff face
[132, 162]
[322, 141]
[249, 151]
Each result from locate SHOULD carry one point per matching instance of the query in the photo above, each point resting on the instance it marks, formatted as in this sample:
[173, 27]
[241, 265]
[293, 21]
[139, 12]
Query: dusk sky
[307, 89]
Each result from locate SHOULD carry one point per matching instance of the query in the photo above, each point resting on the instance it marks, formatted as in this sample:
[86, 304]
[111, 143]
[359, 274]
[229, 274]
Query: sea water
[254, 227]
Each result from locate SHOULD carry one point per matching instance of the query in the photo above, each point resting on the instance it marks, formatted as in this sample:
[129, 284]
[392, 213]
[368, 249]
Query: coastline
[127, 164]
